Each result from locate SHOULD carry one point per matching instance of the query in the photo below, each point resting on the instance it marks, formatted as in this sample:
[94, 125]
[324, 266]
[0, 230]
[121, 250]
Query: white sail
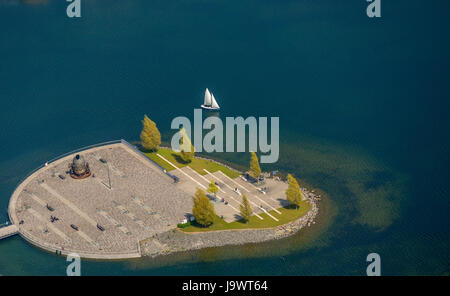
[207, 98]
[214, 102]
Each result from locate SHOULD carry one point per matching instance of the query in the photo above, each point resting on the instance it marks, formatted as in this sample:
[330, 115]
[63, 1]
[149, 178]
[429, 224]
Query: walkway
[8, 231]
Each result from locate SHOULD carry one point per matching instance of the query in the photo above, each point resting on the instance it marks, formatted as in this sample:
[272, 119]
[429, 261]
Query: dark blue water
[363, 107]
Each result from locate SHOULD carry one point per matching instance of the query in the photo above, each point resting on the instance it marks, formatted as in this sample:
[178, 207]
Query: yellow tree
[255, 170]
[213, 188]
[150, 135]
[293, 193]
[203, 209]
[186, 147]
[245, 209]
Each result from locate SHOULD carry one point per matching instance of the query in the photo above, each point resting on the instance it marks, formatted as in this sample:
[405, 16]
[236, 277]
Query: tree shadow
[196, 224]
[284, 203]
[179, 159]
[212, 197]
[188, 216]
[291, 207]
[239, 218]
[145, 150]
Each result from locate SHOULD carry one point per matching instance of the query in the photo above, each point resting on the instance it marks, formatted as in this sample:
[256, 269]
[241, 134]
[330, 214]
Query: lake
[363, 106]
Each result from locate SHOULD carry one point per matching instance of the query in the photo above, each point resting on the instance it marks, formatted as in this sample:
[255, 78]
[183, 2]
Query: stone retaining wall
[178, 241]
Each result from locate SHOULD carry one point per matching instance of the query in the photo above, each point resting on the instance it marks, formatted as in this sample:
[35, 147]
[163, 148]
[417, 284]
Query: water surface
[363, 107]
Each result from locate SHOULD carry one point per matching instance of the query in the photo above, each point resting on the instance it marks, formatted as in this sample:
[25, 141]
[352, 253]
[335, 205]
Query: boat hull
[209, 108]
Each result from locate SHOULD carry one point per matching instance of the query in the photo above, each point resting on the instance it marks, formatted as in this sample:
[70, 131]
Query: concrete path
[220, 196]
[113, 221]
[247, 183]
[69, 204]
[50, 225]
[130, 215]
[8, 231]
[178, 169]
[38, 200]
[191, 178]
[250, 201]
[234, 181]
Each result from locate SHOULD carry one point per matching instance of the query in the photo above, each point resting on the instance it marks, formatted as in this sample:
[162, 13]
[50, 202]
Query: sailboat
[210, 102]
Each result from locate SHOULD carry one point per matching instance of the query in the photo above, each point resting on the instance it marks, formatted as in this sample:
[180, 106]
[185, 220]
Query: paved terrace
[273, 199]
[142, 202]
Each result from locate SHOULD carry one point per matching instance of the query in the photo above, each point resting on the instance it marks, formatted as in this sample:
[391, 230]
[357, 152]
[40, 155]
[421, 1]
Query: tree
[255, 170]
[203, 209]
[150, 135]
[186, 147]
[293, 193]
[245, 209]
[212, 188]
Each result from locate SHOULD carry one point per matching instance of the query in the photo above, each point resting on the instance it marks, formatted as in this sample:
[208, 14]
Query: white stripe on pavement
[203, 178]
[181, 171]
[234, 182]
[192, 179]
[237, 201]
[249, 190]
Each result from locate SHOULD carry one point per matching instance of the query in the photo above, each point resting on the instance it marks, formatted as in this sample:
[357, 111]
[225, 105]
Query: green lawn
[197, 164]
[287, 215]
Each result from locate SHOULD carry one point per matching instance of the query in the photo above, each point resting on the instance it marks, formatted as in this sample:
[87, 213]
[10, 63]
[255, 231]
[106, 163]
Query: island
[117, 200]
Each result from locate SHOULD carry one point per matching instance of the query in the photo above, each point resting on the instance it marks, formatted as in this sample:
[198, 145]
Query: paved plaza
[125, 199]
[138, 202]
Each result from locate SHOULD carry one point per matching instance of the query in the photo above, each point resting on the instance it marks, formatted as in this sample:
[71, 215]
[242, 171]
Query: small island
[116, 200]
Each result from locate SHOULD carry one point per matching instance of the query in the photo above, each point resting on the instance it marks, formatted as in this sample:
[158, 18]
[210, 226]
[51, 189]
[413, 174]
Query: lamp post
[109, 177]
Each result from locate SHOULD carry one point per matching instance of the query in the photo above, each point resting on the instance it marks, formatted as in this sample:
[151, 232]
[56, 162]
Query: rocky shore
[177, 241]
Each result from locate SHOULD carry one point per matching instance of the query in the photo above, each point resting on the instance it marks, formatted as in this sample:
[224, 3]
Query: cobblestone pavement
[142, 201]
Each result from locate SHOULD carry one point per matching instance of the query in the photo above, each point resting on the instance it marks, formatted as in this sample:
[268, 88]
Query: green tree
[245, 209]
[150, 135]
[203, 209]
[186, 147]
[213, 188]
[255, 170]
[293, 193]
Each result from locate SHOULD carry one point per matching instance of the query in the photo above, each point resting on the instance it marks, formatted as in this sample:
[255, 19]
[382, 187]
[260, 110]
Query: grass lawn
[287, 215]
[197, 164]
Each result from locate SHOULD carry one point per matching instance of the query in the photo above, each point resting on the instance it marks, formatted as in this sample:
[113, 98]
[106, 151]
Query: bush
[180, 225]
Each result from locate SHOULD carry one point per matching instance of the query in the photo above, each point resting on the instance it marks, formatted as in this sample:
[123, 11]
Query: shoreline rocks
[175, 240]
